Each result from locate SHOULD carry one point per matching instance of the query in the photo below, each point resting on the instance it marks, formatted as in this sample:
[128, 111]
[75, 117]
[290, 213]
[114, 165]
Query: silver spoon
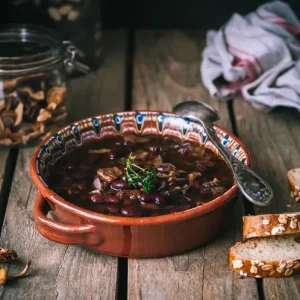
[253, 187]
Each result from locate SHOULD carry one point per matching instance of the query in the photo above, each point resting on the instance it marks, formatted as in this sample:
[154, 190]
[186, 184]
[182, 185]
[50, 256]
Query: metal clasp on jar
[71, 61]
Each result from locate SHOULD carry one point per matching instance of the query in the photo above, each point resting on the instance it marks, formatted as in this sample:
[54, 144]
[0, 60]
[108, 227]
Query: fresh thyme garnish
[135, 174]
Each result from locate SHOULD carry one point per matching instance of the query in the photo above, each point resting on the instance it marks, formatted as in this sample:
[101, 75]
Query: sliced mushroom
[11, 100]
[38, 96]
[140, 155]
[44, 115]
[109, 174]
[192, 176]
[8, 118]
[56, 95]
[19, 112]
[9, 85]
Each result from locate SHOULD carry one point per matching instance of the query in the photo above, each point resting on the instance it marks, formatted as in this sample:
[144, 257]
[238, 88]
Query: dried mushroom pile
[30, 107]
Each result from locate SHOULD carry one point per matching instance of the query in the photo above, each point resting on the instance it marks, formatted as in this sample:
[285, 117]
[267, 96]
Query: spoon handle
[252, 186]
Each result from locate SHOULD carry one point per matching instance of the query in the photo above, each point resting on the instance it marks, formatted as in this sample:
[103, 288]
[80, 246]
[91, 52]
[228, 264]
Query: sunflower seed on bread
[276, 256]
[294, 183]
[269, 225]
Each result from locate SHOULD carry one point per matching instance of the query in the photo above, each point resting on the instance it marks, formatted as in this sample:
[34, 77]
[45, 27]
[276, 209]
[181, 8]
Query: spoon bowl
[252, 186]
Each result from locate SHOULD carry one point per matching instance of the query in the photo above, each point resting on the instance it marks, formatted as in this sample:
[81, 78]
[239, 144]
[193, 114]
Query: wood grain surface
[60, 271]
[166, 72]
[273, 140]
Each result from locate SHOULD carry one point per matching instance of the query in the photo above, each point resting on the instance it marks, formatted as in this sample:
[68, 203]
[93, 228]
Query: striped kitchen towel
[257, 55]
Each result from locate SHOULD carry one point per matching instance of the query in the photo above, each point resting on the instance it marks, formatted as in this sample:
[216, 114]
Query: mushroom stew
[140, 176]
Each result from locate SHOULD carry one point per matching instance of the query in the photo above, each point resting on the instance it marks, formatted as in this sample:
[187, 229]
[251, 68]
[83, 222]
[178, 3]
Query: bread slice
[268, 225]
[294, 183]
[276, 256]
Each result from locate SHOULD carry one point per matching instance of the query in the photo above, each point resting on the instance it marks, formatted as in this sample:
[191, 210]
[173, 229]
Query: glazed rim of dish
[49, 194]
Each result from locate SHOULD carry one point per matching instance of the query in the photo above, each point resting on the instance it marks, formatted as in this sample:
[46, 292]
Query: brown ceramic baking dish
[123, 236]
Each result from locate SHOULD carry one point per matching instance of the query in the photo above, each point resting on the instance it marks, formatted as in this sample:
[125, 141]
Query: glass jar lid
[27, 48]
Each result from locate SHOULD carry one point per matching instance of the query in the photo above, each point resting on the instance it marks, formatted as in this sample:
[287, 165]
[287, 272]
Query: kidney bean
[151, 206]
[209, 164]
[113, 208]
[200, 167]
[196, 184]
[158, 198]
[205, 191]
[69, 191]
[178, 182]
[139, 185]
[85, 196]
[156, 182]
[165, 168]
[131, 211]
[179, 208]
[151, 155]
[123, 177]
[69, 165]
[83, 185]
[119, 185]
[67, 180]
[145, 198]
[80, 174]
[129, 202]
[111, 199]
[97, 198]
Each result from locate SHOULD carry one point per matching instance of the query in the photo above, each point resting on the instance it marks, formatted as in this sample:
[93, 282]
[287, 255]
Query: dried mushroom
[31, 107]
[56, 95]
[7, 255]
[9, 85]
[43, 115]
[38, 96]
[19, 113]
[4, 274]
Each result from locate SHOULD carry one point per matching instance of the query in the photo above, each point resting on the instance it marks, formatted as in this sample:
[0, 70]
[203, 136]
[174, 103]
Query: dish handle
[83, 234]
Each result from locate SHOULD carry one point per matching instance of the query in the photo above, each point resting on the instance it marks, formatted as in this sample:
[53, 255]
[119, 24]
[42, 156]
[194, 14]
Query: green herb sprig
[135, 174]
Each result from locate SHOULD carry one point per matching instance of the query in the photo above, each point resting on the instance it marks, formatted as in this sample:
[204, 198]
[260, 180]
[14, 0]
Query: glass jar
[33, 83]
[79, 21]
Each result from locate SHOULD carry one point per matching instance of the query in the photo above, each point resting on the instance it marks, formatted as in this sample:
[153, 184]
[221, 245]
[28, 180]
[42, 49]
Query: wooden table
[149, 70]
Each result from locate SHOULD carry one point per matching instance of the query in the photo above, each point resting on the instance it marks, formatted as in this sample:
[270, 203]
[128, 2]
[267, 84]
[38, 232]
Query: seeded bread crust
[294, 186]
[270, 225]
[261, 268]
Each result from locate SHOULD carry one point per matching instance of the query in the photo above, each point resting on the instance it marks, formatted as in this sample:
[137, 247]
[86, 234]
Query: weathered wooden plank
[3, 159]
[273, 140]
[104, 92]
[60, 271]
[166, 72]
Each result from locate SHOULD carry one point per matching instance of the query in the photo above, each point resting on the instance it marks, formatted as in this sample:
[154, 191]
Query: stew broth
[140, 176]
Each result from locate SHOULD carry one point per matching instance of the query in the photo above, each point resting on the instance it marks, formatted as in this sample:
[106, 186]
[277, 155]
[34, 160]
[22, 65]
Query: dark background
[151, 13]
